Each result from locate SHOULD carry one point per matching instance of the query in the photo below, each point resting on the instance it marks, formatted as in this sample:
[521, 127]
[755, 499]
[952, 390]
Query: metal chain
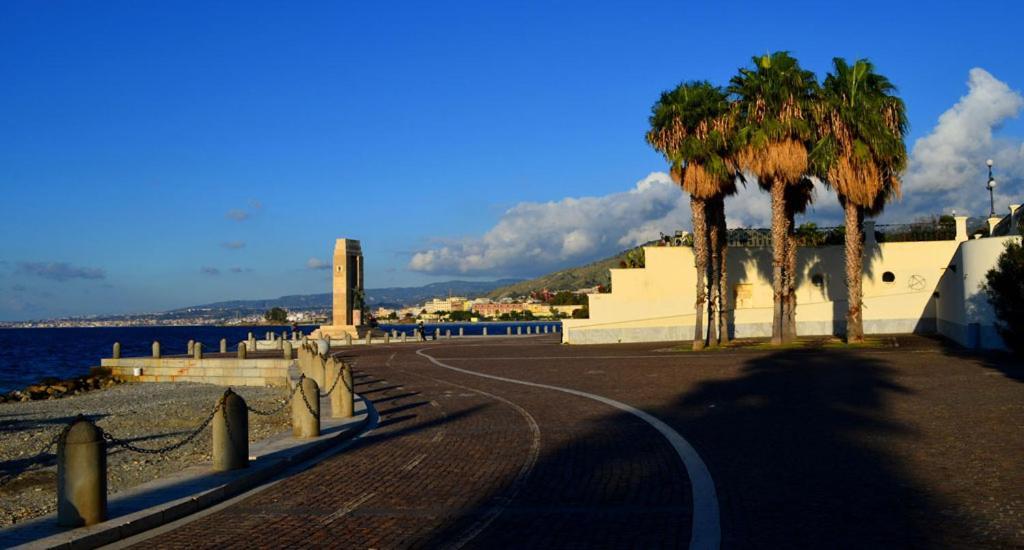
[335, 384]
[278, 409]
[117, 442]
[304, 400]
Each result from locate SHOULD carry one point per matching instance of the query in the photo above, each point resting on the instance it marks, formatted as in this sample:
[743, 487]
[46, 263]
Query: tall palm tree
[860, 153]
[691, 126]
[772, 139]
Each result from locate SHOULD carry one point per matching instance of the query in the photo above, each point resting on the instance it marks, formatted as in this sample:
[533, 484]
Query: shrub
[1004, 285]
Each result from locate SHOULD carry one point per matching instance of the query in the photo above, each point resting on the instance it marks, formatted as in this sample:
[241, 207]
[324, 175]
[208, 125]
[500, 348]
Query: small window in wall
[888, 277]
[818, 280]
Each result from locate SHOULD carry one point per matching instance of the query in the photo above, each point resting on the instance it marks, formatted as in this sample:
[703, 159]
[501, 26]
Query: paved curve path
[459, 460]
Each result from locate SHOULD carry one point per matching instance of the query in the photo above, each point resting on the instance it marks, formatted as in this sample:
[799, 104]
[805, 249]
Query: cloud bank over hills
[946, 171]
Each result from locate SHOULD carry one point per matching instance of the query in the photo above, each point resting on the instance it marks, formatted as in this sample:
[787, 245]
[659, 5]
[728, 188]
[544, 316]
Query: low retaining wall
[223, 371]
[610, 334]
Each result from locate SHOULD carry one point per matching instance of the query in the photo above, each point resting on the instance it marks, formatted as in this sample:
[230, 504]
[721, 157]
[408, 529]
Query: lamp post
[991, 188]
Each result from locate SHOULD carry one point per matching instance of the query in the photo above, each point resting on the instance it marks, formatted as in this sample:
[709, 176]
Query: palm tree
[773, 133]
[691, 126]
[860, 153]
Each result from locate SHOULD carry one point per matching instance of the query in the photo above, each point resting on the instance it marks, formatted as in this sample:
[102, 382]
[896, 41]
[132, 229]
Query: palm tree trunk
[700, 254]
[854, 270]
[723, 284]
[789, 330]
[713, 237]
[778, 192]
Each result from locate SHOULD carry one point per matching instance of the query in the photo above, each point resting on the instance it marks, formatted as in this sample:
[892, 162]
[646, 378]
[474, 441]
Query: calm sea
[28, 355]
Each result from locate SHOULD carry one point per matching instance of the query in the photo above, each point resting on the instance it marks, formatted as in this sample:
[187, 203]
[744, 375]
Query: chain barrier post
[321, 371]
[387, 337]
[116, 354]
[485, 331]
[230, 433]
[519, 330]
[404, 337]
[81, 475]
[448, 334]
[242, 350]
[369, 337]
[252, 342]
[341, 396]
[508, 331]
[342, 405]
[198, 351]
[223, 345]
[191, 345]
[462, 332]
[156, 349]
[306, 410]
[437, 333]
[287, 350]
[348, 339]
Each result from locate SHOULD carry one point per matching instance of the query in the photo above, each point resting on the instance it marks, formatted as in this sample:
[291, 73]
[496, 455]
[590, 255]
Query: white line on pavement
[706, 529]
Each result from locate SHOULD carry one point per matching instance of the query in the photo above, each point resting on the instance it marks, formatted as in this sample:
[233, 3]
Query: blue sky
[161, 155]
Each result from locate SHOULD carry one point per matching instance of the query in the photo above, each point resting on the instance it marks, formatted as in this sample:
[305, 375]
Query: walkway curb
[201, 486]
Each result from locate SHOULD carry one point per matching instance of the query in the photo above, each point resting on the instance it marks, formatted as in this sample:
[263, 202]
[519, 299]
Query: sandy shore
[148, 415]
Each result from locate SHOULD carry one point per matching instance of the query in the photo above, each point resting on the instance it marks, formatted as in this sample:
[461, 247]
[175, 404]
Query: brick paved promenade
[874, 448]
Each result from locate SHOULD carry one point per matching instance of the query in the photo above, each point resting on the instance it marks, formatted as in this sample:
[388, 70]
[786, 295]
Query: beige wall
[656, 303]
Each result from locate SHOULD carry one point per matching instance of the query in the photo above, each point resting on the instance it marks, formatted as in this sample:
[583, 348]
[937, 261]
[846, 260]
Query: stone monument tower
[348, 298]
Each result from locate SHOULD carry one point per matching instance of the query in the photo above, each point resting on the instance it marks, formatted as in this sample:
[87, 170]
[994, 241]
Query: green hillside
[574, 278]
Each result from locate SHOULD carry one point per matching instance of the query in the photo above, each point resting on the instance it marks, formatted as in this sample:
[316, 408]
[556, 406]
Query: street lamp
[991, 187]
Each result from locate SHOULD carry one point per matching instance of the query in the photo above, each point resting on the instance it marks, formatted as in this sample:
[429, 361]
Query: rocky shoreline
[147, 415]
[55, 388]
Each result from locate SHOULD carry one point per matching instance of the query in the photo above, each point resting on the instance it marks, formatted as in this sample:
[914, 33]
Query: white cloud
[533, 237]
[947, 166]
[317, 263]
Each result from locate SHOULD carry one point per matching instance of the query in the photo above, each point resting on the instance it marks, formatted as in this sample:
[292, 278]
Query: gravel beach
[147, 415]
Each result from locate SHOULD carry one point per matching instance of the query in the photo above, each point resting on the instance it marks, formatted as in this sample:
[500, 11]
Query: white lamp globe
[989, 162]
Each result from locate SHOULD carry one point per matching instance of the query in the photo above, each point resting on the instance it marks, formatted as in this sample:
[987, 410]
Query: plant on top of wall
[1006, 294]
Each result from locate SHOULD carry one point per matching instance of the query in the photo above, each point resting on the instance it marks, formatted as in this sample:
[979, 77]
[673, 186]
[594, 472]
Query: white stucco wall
[656, 303]
[964, 313]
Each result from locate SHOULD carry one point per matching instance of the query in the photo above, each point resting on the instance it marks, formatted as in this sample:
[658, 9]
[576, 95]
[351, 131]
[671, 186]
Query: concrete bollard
[341, 398]
[485, 331]
[508, 331]
[528, 330]
[320, 371]
[387, 337]
[462, 332]
[448, 334]
[286, 350]
[284, 334]
[306, 419]
[241, 350]
[437, 334]
[197, 351]
[404, 336]
[348, 339]
[519, 330]
[394, 333]
[231, 433]
[546, 329]
[223, 345]
[369, 337]
[191, 346]
[81, 475]
[249, 337]
[116, 354]
[156, 349]
[323, 347]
